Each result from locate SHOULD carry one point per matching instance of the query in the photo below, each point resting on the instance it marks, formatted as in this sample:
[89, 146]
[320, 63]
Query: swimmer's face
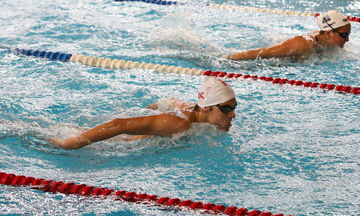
[219, 118]
[337, 37]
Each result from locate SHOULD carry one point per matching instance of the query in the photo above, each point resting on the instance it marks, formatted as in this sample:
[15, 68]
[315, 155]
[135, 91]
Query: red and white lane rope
[96, 192]
[281, 81]
[117, 64]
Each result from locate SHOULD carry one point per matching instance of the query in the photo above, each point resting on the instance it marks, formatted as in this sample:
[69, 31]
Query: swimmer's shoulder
[183, 105]
[310, 38]
[301, 44]
[172, 122]
[302, 40]
[308, 45]
[171, 104]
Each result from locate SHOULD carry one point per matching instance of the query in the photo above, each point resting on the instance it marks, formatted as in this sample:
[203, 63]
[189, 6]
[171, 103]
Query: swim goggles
[226, 109]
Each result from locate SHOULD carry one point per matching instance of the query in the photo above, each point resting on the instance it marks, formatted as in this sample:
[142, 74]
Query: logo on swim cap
[201, 95]
[214, 91]
[331, 19]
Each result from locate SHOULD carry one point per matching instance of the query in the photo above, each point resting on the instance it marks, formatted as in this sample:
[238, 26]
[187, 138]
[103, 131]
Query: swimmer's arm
[292, 47]
[158, 125]
[126, 137]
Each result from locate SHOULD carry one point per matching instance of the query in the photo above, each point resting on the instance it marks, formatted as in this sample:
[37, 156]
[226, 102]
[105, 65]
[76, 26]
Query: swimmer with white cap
[216, 105]
[334, 31]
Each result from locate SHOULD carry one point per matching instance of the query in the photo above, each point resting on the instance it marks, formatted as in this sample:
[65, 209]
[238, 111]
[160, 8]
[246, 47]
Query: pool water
[290, 150]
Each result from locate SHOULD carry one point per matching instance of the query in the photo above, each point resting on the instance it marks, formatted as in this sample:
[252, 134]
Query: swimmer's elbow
[119, 124]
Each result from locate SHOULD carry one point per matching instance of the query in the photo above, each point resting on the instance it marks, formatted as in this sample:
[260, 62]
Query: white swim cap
[332, 18]
[214, 91]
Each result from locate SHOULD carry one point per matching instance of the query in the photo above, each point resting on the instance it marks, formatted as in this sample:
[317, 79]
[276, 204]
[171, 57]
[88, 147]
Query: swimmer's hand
[70, 143]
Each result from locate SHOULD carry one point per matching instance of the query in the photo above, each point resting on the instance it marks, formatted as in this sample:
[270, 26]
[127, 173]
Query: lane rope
[236, 8]
[55, 56]
[4, 47]
[107, 63]
[127, 196]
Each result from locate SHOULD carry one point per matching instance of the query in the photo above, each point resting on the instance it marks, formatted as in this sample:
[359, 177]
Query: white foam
[175, 32]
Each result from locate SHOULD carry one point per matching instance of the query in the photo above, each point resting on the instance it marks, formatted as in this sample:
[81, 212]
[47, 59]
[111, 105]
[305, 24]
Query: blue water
[290, 150]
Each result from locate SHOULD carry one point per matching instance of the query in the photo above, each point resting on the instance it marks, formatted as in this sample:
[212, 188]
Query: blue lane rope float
[118, 63]
[159, 2]
[55, 56]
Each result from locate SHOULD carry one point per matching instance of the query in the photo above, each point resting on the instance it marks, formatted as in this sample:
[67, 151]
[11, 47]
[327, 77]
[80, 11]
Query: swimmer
[216, 105]
[334, 32]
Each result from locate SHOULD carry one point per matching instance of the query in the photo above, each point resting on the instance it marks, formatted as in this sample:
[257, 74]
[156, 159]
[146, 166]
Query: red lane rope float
[91, 191]
[280, 81]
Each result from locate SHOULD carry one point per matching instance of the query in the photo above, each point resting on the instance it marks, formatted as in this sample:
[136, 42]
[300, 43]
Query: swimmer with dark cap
[216, 105]
[334, 31]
